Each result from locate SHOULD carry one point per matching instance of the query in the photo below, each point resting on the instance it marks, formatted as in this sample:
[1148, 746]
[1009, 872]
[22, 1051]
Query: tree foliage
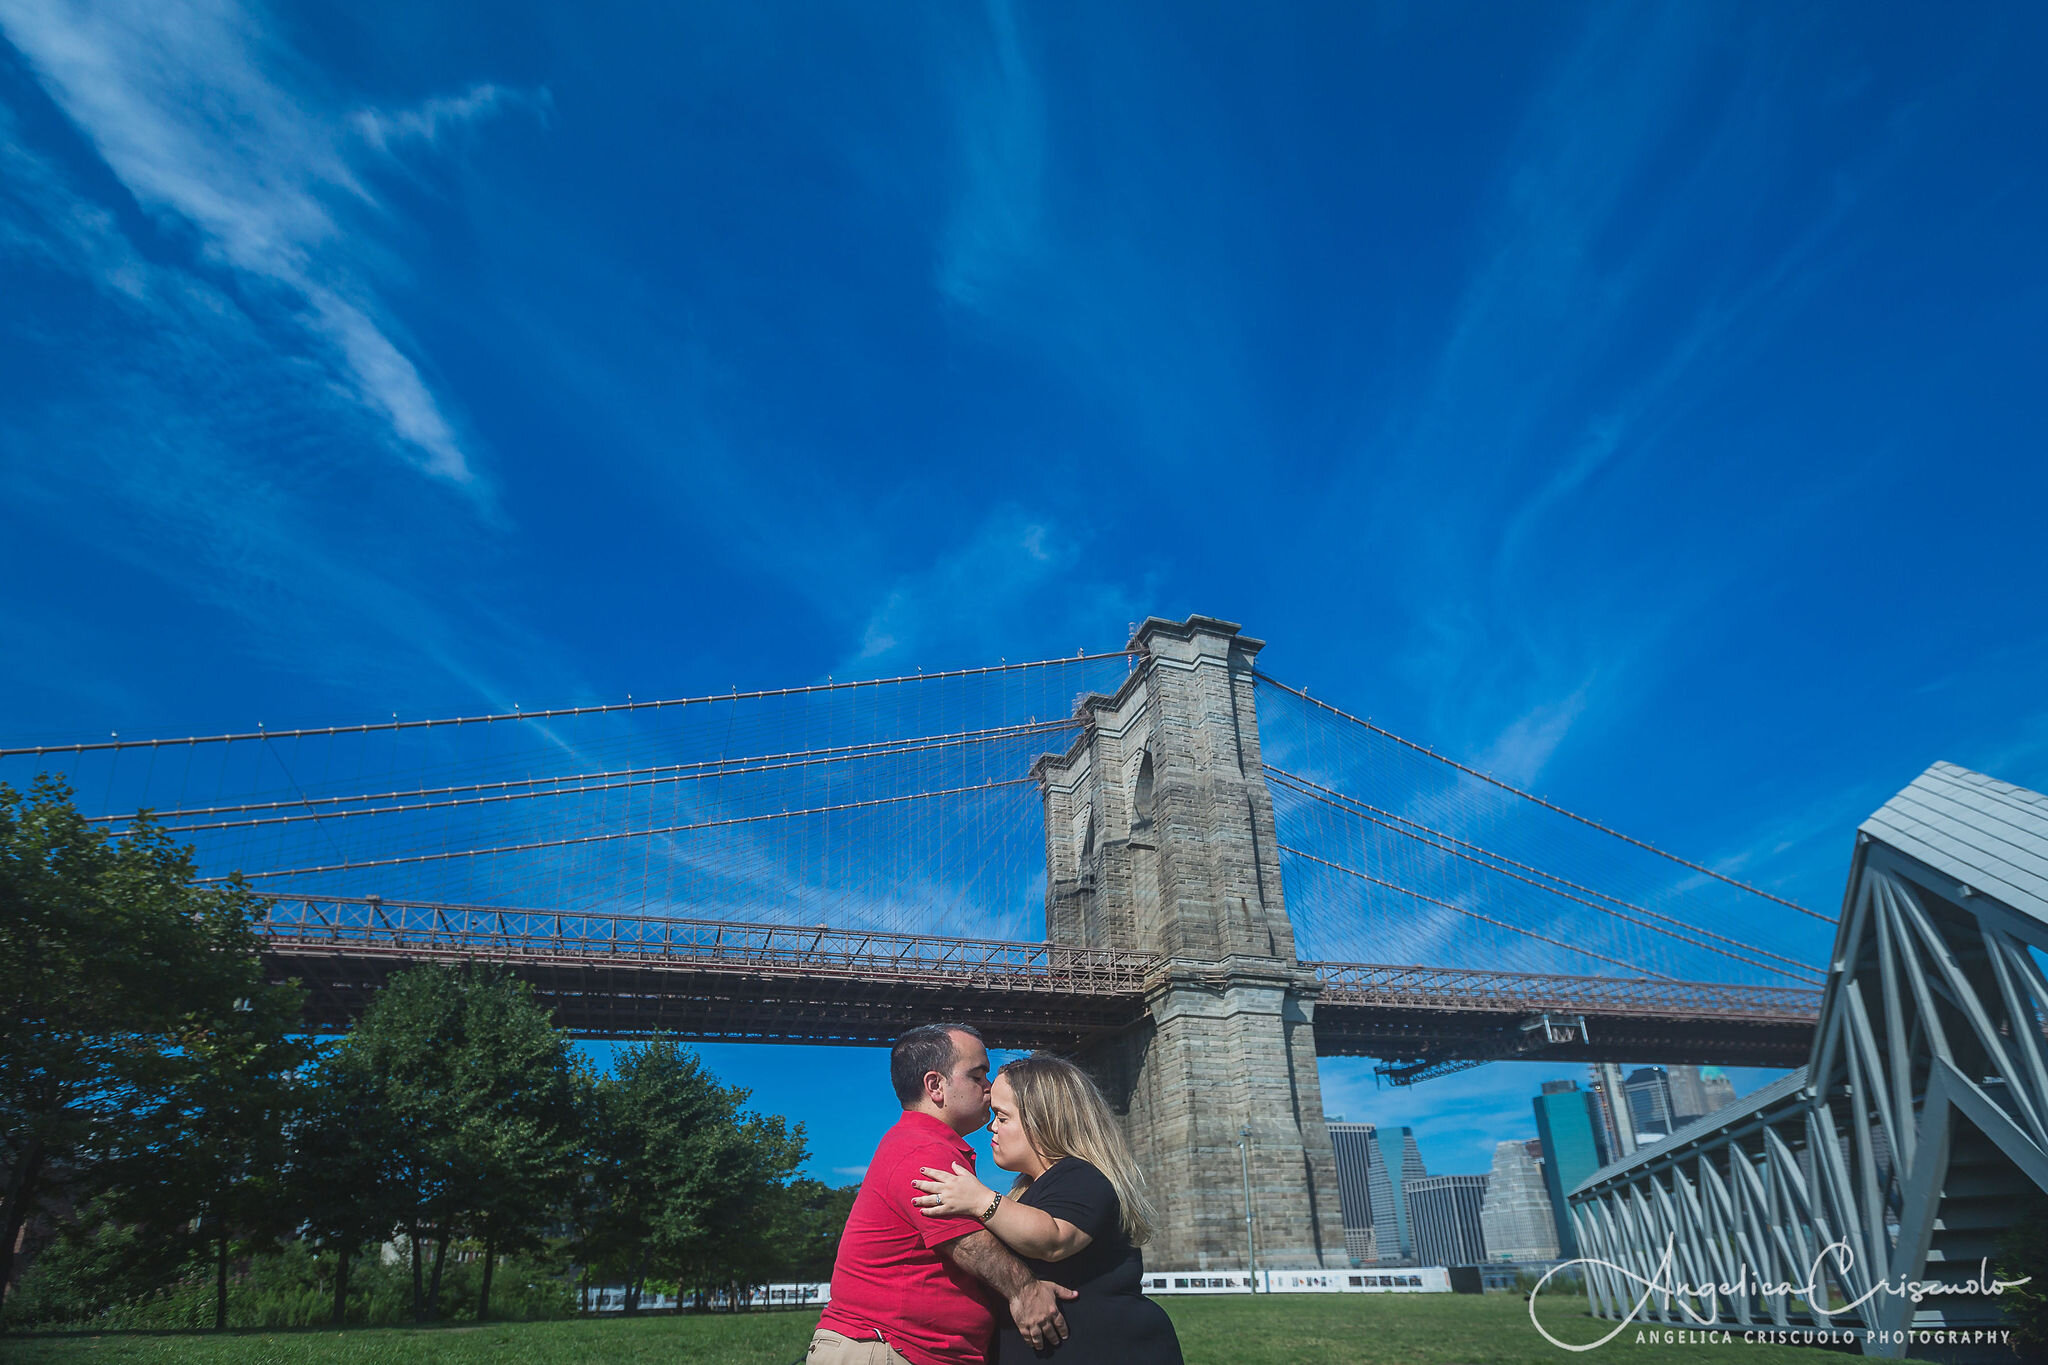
[479, 1101]
[132, 1006]
[2022, 1261]
[686, 1186]
[151, 1077]
[342, 1167]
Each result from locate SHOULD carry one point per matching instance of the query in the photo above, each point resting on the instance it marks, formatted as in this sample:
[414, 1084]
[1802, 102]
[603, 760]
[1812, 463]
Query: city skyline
[1566, 1144]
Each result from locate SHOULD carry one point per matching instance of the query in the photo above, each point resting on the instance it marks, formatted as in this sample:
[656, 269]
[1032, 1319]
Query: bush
[96, 1280]
[2023, 1255]
[1564, 1282]
[92, 1268]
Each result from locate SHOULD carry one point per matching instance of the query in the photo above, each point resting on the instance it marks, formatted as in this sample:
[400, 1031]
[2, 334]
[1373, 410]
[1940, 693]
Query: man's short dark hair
[928, 1047]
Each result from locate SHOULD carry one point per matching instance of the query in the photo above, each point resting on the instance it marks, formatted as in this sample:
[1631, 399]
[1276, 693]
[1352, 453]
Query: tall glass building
[1443, 1210]
[1648, 1092]
[1354, 1144]
[1568, 1126]
[1396, 1165]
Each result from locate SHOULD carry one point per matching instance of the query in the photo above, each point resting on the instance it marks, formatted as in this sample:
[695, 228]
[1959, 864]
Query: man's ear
[934, 1087]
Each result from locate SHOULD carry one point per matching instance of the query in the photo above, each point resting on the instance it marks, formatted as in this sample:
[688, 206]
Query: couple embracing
[936, 1268]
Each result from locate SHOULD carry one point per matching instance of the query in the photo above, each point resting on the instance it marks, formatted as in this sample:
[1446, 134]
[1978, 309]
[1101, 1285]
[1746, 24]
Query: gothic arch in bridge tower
[1160, 840]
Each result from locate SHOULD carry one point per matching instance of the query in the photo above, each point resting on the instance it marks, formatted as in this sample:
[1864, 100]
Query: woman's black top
[1111, 1323]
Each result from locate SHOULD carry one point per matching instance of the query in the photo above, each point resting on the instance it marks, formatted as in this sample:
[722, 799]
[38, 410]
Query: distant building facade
[1354, 1144]
[1396, 1165]
[1361, 1245]
[1617, 1137]
[1688, 1093]
[1568, 1124]
[1443, 1214]
[1516, 1222]
[1720, 1091]
[1648, 1094]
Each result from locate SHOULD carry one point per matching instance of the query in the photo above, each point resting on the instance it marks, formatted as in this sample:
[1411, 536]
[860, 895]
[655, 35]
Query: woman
[1076, 1214]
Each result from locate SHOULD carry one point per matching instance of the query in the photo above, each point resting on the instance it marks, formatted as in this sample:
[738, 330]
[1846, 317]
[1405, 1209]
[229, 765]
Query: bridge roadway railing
[1364, 983]
[1431, 1019]
[618, 975]
[432, 929]
[624, 974]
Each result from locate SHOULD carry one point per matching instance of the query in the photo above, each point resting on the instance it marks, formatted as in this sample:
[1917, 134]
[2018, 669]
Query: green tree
[523, 1104]
[750, 1224]
[343, 1171]
[2022, 1261]
[203, 1146]
[478, 1093]
[111, 961]
[811, 1216]
[653, 1114]
[685, 1183]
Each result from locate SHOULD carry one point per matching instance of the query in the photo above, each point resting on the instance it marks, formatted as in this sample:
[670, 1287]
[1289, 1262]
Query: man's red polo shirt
[889, 1277]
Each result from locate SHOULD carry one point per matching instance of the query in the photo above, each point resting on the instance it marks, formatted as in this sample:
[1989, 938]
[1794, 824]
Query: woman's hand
[954, 1194]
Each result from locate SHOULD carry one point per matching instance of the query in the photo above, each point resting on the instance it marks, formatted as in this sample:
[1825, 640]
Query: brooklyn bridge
[1161, 860]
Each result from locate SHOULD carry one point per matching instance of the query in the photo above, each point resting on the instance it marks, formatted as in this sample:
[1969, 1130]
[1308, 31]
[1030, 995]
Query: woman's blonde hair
[1063, 1114]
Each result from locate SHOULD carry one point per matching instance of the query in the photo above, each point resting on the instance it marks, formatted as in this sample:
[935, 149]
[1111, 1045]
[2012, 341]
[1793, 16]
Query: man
[907, 1289]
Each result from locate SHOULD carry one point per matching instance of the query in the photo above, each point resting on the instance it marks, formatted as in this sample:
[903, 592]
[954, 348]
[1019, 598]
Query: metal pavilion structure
[1914, 1136]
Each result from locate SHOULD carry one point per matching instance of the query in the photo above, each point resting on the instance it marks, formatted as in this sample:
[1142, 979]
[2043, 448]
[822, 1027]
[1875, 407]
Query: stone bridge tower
[1159, 839]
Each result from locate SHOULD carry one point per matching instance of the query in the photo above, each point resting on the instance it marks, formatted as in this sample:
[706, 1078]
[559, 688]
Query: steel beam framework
[1435, 1018]
[1916, 1134]
[628, 975]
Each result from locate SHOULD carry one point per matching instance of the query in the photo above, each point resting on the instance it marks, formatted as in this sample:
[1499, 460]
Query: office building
[1353, 1144]
[1396, 1164]
[1361, 1246]
[1688, 1095]
[1443, 1214]
[1720, 1091]
[1515, 1218]
[1647, 1096]
[1617, 1138]
[1568, 1124]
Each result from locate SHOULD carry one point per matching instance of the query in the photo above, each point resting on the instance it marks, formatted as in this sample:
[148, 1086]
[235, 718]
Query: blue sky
[1633, 399]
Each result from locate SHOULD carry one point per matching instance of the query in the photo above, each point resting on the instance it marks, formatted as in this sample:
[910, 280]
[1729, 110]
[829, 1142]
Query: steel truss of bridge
[624, 976]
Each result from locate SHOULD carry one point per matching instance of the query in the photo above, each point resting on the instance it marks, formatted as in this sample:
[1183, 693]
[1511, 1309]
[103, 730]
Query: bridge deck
[622, 976]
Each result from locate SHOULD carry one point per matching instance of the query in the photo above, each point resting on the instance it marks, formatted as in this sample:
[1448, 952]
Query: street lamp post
[1244, 1159]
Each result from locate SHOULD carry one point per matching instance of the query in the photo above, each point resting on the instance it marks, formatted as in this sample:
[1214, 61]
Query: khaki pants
[829, 1348]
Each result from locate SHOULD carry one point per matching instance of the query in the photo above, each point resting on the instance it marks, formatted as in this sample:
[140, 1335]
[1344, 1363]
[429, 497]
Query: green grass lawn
[1291, 1329]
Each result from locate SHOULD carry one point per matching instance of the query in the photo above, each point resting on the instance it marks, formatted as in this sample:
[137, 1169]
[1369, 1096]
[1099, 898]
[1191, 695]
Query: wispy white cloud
[206, 122]
[432, 119]
[1588, 343]
[1017, 579]
[1518, 753]
[995, 222]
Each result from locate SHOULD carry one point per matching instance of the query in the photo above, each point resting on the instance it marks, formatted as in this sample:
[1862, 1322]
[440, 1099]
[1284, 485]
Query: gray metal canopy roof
[1988, 834]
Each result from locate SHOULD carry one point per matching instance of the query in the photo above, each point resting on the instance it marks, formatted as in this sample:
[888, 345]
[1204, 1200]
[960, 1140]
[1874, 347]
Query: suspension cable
[580, 840]
[595, 782]
[1685, 933]
[1531, 796]
[1502, 924]
[559, 712]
